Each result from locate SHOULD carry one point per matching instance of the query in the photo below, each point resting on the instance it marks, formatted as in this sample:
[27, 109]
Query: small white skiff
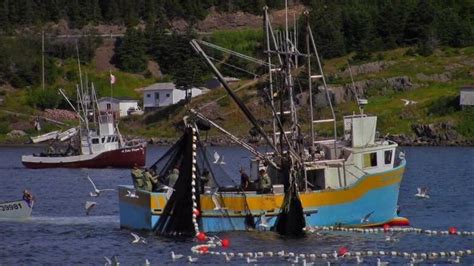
[45, 137]
[19, 209]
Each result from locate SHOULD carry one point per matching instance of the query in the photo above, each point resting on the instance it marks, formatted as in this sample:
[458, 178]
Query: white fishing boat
[45, 137]
[19, 209]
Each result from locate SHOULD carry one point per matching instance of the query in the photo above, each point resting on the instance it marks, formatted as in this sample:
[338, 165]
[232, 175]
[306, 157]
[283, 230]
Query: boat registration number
[10, 207]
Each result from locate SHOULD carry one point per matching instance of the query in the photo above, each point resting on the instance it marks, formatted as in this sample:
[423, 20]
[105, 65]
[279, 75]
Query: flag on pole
[112, 79]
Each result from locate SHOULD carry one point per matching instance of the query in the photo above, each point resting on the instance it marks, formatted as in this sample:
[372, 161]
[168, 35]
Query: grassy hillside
[436, 100]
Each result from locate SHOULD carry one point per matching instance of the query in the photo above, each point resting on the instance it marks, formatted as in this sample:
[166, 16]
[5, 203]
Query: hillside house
[466, 97]
[118, 106]
[164, 94]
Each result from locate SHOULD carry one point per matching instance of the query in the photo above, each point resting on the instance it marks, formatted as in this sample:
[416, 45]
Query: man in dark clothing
[244, 180]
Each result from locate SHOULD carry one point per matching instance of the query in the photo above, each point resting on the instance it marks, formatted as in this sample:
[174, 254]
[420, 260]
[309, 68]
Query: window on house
[157, 95]
[167, 95]
[148, 95]
[370, 159]
[109, 106]
[388, 157]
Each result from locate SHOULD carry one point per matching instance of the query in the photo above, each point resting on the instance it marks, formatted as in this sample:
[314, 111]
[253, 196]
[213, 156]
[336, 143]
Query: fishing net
[211, 178]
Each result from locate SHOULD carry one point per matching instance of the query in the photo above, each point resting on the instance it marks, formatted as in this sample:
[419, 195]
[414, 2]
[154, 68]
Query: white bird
[249, 260]
[366, 217]
[89, 205]
[169, 191]
[137, 239]
[108, 262]
[334, 254]
[147, 262]
[215, 200]
[218, 159]
[295, 260]
[391, 238]
[456, 260]
[381, 263]
[115, 260]
[227, 258]
[263, 225]
[191, 259]
[176, 256]
[97, 191]
[131, 194]
[414, 261]
[359, 259]
[422, 193]
[408, 102]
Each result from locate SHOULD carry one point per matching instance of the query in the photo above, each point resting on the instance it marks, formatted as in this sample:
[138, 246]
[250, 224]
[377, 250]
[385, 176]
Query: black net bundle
[176, 218]
[291, 219]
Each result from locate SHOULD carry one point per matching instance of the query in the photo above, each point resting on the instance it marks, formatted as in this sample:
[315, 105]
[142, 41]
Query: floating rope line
[196, 211]
[343, 253]
[385, 229]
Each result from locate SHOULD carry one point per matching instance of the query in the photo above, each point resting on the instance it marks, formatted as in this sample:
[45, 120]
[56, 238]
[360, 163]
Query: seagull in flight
[381, 263]
[131, 194]
[408, 102]
[176, 256]
[366, 218]
[391, 238]
[263, 225]
[137, 239]
[218, 159]
[97, 191]
[422, 193]
[89, 205]
[169, 191]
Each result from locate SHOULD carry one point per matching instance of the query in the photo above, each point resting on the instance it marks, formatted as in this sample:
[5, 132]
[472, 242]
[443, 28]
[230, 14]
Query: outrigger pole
[234, 97]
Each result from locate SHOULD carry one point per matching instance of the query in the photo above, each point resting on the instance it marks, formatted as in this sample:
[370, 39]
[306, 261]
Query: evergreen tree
[131, 51]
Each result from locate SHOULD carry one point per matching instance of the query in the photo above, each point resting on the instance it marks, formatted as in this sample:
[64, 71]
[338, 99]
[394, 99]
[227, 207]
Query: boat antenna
[359, 103]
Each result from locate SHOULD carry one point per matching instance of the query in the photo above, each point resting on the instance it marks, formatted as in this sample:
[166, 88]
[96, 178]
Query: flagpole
[111, 83]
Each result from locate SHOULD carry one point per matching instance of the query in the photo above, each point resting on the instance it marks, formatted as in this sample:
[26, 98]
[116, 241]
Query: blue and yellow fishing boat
[352, 180]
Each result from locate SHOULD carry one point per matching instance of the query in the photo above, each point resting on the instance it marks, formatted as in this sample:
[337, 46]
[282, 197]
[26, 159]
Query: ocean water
[60, 232]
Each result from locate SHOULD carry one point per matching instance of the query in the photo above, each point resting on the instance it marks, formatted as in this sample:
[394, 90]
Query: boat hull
[374, 193]
[120, 158]
[15, 210]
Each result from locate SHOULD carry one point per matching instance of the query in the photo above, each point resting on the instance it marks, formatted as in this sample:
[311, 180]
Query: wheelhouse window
[95, 141]
[370, 159]
[388, 157]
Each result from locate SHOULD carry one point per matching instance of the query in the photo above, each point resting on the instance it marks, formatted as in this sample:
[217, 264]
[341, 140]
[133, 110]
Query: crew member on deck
[265, 184]
[27, 196]
[244, 179]
[137, 177]
[172, 177]
[149, 180]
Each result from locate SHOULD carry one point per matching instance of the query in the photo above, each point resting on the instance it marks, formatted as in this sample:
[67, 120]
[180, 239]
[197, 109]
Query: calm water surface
[59, 231]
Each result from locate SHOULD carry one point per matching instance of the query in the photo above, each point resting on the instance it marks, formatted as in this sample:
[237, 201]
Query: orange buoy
[201, 236]
[225, 243]
[452, 230]
[342, 251]
[386, 227]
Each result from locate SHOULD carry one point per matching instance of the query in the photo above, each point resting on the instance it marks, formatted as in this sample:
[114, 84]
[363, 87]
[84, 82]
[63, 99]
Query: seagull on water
[218, 159]
[263, 225]
[108, 262]
[97, 191]
[366, 217]
[137, 239]
[391, 238]
[131, 194]
[147, 262]
[456, 260]
[249, 260]
[359, 260]
[422, 193]
[191, 259]
[89, 205]
[408, 102]
[176, 256]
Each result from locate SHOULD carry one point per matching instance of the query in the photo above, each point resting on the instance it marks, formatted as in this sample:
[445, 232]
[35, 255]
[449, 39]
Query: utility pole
[42, 58]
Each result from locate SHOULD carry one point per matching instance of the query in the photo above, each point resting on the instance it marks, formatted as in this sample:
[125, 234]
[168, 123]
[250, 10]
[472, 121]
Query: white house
[466, 97]
[164, 94]
[117, 106]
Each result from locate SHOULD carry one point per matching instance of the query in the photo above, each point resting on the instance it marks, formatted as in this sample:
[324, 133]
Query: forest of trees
[339, 26]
